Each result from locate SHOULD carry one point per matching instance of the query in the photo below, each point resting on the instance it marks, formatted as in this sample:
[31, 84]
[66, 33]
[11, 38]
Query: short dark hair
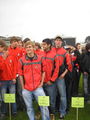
[26, 40]
[5, 48]
[87, 46]
[48, 41]
[38, 44]
[77, 44]
[58, 37]
[2, 43]
[13, 39]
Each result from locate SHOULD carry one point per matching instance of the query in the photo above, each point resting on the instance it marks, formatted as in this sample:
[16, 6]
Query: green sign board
[9, 98]
[43, 100]
[78, 102]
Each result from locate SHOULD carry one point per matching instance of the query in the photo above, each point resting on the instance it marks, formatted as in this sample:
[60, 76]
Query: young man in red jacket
[7, 79]
[16, 51]
[2, 44]
[64, 66]
[31, 70]
[38, 49]
[51, 73]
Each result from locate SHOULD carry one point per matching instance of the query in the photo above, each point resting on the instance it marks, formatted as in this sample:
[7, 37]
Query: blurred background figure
[86, 71]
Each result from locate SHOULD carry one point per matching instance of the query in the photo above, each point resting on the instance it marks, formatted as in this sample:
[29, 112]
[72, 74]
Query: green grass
[84, 113]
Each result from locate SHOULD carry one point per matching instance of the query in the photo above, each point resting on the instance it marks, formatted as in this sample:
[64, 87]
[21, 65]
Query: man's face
[14, 44]
[29, 49]
[20, 44]
[78, 47]
[58, 43]
[5, 52]
[45, 46]
[36, 47]
[88, 50]
[1, 49]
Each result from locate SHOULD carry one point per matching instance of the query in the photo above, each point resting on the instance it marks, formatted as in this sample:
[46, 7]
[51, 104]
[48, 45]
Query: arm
[20, 72]
[56, 69]
[21, 81]
[64, 73]
[42, 80]
[68, 65]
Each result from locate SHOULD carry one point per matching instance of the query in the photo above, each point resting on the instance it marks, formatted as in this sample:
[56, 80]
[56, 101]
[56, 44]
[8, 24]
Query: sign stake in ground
[77, 102]
[9, 98]
[43, 101]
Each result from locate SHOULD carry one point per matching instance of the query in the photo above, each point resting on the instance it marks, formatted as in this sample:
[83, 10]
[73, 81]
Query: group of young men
[37, 73]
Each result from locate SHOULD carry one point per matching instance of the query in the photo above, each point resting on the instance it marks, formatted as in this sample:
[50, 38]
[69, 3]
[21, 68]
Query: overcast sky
[39, 19]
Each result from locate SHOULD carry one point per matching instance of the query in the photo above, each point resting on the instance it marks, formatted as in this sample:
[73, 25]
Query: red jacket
[31, 70]
[7, 68]
[39, 52]
[75, 63]
[52, 66]
[64, 59]
[23, 51]
[17, 54]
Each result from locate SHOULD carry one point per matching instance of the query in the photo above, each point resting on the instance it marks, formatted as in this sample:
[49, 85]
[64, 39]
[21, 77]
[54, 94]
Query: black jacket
[86, 62]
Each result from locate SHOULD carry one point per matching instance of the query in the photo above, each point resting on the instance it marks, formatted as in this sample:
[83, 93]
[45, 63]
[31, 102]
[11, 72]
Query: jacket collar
[34, 58]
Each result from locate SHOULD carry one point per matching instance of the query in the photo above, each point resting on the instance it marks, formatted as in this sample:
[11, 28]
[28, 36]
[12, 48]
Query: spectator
[86, 71]
[2, 45]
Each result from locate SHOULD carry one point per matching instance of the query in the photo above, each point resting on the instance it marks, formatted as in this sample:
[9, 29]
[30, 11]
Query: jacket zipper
[32, 75]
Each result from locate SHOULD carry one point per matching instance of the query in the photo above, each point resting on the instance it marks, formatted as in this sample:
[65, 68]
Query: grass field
[84, 113]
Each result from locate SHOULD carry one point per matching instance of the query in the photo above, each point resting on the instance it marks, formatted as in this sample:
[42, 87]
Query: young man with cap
[64, 66]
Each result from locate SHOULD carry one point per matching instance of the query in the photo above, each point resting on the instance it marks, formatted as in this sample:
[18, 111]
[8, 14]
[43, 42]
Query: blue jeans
[11, 87]
[28, 98]
[85, 78]
[50, 91]
[0, 100]
[61, 87]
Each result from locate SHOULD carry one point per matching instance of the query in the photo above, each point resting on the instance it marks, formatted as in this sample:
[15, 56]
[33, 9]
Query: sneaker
[62, 117]
[37, 116]
[14, 114]
[2, 116]
[52, 117]
[88, 101]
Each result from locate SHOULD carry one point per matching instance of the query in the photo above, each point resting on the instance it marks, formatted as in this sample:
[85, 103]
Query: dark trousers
[75, 82]
[50, 90]
[20, 102]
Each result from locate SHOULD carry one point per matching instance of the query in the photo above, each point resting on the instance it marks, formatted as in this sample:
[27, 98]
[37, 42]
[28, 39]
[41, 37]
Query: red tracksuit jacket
[31, 70]
[17, 54]
[7, 68]
[64, 59]
[52, 66]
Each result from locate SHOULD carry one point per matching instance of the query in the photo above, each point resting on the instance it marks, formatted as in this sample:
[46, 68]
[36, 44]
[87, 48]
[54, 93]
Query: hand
[62, 76]
[49, 83]
[14, 81]
[41, 84]
[85, 73]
